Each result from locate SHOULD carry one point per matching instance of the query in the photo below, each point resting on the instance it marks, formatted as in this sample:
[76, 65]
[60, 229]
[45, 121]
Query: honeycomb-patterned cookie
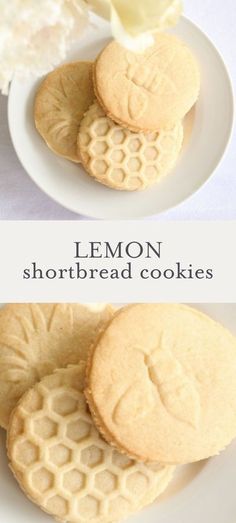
[36, 339]
[60, 103]
[148, 91]
[63, 464]
[124, 160]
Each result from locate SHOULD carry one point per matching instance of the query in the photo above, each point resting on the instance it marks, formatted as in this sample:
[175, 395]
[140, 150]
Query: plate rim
[143, 214]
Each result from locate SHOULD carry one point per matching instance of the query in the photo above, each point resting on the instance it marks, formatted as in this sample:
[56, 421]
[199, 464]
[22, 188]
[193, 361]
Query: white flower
[133, 22]
[35, 35]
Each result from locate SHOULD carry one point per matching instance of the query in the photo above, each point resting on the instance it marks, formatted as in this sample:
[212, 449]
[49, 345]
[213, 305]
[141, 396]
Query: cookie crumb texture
[63, 464]
[124, 160]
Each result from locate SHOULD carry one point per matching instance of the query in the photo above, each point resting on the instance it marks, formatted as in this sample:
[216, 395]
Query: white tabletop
[21, 199]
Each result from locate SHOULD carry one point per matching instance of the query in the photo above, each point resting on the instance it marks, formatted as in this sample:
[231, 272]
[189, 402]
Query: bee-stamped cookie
[60, 103]
[150, 91]
[170, 388]
[36, 338]
[62, 463]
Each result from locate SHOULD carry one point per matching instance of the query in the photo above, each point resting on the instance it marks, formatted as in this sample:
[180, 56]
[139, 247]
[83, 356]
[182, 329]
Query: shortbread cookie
[63, 464]
[61, 101]
[150, 91]
[35, 339]
[122, 159]
[170, 388]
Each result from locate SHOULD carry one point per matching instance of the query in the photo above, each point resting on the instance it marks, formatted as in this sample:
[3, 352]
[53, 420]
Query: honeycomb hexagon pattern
[122, 159]
[63, 464]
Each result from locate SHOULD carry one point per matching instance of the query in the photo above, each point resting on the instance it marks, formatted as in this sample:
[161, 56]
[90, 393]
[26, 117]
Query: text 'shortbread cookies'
[150, 91]
[61, 101]
[161, 383]
[122, 159]
[63, 464]
[35, 339]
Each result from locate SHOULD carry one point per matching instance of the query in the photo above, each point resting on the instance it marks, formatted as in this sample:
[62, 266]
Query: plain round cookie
[124, 160]
[150, 91]
[35, 339]
[62, 463]
[61, 101]
[170, 388]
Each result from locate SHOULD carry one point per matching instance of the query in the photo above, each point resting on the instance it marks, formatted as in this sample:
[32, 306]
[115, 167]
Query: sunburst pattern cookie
[35, 339]
[170, 388]
[60, 103]
[150, 91]
[122, 159]
[63, 464]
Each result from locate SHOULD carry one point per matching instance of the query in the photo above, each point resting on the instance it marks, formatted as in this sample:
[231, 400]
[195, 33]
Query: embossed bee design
[166, 379]
[144, 80]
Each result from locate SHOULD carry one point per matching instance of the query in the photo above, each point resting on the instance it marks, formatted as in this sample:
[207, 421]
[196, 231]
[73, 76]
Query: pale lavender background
[21, 199]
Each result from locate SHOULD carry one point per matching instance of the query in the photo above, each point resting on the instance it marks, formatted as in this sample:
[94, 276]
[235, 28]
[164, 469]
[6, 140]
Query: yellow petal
[147, 15]
[101, 7]
[137, 43]
[132, 23]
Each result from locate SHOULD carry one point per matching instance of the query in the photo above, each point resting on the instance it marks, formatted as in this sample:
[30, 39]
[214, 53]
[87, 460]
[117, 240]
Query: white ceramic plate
[203, 492]
[207, 132]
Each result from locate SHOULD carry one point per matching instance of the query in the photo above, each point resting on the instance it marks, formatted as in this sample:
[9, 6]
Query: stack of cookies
[56, 453]
[122, 116]
[147, 387]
